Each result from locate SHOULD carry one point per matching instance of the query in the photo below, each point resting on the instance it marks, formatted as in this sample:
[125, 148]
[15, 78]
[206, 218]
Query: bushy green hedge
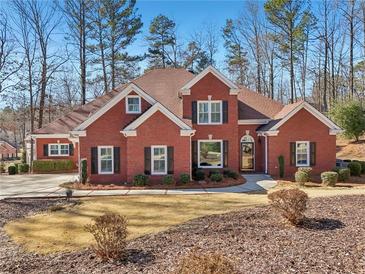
[216, 177]
[301, 177]
[23, 168]
[329, 178]
[343, 174]
[184, 178]
[11, 170]
[168, 180]
[355, 168]
[140, 180]
[230, 174]
[362, 164]
[52, 165]
[199, 175]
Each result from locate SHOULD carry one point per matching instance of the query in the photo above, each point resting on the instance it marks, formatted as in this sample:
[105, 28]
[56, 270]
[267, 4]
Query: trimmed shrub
[199, 175]
[343, 174]
[281, 166]
[24, 157]
[291, 203]
[329, 178]
[52, 165]
[11, 170]
[301, 177]
[205, 263]
[23, 168]
[168, 180]
[362, 164]
[140, 180]
[2, 168]
[355, 168]
[231, 174]
[211, 172]
[184, 178]
[307, 170]
[16, 168]
[83, 171]
[216, 177]
[110, 233]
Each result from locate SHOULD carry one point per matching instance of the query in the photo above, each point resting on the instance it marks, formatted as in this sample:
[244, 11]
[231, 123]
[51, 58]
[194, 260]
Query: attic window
[133, 104]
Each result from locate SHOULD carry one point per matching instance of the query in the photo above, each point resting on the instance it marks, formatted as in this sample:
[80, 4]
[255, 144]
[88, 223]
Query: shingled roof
[164, 85]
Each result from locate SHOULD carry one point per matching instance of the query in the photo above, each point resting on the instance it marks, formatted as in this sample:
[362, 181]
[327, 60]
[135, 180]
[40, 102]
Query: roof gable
[185, 90]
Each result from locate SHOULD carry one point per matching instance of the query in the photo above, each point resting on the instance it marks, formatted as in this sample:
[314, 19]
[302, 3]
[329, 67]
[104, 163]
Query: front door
[247, 156]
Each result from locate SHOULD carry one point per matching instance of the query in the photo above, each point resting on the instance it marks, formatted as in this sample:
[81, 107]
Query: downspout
[266, 160]
[190, 164]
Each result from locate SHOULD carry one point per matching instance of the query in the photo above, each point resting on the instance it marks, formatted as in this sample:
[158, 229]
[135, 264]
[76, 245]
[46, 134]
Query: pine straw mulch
[332, 240]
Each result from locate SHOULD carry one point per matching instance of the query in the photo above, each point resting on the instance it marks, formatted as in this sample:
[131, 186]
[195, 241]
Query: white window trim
[210, 141]
[99, 160]
[308, 153]
[210, 112]
[152, 161]
[59, 150]
[139, 104]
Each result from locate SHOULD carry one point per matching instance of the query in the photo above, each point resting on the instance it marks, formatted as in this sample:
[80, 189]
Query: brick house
[170, 121]
[7, 150]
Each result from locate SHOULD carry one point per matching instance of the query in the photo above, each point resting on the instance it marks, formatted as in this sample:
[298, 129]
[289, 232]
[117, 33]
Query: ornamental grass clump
[329, 178]
[110, 234]
[205, 263]
[291, 203]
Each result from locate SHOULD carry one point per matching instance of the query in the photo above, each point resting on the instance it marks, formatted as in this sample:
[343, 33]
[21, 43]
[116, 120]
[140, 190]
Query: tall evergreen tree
[195, 58]
[162, 43]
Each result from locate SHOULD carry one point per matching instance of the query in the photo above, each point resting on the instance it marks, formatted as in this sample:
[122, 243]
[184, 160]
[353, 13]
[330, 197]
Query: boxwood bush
[140, 180]
[343, 174]
[230, 174]
[168, 180]
[11, 170]
[23, 168]
[199, 175]
[40, 166]
[216, 177]
[329, 178]
[184, 178]
[362, 164]
[355, 168]
[301, 177]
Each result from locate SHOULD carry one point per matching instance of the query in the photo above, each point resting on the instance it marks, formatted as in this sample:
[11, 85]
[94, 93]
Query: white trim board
[253, 121]
[185, 90]
[130, 130]
[131, 87]
[62, 135]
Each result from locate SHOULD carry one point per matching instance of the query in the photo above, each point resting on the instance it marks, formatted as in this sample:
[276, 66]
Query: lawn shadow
[322, 224]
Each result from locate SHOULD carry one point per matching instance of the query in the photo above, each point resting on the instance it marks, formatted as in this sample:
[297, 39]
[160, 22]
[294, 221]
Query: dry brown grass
[347, 149]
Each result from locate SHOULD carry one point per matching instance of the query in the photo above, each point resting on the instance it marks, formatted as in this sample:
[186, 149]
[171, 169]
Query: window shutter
[170, 160]
[225, 153]
[71, 149]
[94, 160]
[45, 150]
[292, 154]
[312, 153]
[116, 155]
[194, 112]
[225, 112]
[194, 153]
[147, 160]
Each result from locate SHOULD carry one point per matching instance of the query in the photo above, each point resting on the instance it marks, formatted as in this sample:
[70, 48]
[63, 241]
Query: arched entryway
[247, 153]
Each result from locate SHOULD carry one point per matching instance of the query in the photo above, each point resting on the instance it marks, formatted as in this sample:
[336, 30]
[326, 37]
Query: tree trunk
[83, 52]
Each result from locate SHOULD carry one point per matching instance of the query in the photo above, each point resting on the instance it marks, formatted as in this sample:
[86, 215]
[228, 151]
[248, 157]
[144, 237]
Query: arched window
[247, 139]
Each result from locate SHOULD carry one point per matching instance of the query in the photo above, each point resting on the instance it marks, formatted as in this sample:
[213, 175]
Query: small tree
[351, 117]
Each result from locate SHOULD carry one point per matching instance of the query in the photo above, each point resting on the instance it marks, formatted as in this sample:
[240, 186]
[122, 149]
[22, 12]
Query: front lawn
[63, 230]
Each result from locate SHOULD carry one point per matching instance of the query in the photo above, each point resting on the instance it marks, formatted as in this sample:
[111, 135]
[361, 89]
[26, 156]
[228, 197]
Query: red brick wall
[210, 85]
[105, 131]
[157, 130]
[259, 146]
[302, 127]
[42, 141]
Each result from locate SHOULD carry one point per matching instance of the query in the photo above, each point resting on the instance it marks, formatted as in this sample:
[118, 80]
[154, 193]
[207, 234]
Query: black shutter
[292, 154]
[225, 112]
[94, 160]
[225, 153]
[170, 160]
[312, 153]
[147, 160]
[116, 154]
[71, 149]
[45, 150]
[194, 112]
[194, 153]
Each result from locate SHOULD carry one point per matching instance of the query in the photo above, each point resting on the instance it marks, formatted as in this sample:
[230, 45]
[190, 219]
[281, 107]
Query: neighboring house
[169, 121]
[7, 151]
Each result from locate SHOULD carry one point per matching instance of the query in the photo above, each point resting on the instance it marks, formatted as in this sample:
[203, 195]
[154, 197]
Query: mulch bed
[226, 182]
[332, 240]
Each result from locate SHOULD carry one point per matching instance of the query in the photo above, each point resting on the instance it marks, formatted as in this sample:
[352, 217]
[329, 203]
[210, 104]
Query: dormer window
[209, 112]
[133, 104]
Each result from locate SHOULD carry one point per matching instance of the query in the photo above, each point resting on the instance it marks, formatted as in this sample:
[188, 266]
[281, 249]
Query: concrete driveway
[35, 185]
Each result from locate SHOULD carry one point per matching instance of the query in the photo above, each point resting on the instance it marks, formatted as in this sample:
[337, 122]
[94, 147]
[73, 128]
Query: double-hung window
[210, 154]
[209, 112]
[159, 160]
[105, 156]
[302, 153]
[59, 150]
[133, 104]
